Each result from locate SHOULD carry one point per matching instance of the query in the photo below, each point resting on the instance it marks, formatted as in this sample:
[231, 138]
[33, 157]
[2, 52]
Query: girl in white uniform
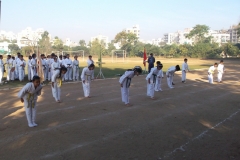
[86, 76]
[21, 66]
[29, 68]
[57, 82]
[211, 72]
[125, 81]
[159, 78]
[1, 68]
[29, 95]
[170, 73]
[76, 69]
[151, 80]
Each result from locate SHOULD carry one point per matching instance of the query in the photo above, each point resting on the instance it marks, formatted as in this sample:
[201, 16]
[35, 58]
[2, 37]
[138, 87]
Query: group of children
[32, 90]
[220, 69]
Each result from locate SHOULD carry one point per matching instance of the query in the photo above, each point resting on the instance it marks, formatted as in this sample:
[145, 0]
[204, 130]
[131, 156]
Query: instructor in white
[184, 70]
[87, 76]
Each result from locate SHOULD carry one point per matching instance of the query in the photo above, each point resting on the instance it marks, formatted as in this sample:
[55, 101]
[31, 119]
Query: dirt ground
[193, 121]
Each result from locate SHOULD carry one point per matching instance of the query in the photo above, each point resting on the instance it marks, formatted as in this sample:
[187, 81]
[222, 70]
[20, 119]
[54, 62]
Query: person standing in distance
[151, 61]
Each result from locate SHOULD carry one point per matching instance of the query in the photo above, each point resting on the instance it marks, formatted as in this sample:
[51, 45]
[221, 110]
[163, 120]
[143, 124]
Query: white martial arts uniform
[210, 74]
[159, 78]
[220, 72]
[89, 62]
[44, 67]
[16, 74]
[21, 65]
[33, 66]
[184, 71]
[29, 70]
[55, 66]
[1, 70]
[76, 70]
[170, 73]
[152, 76]
[125, 81]
[10, 66]
[68, 65]
[30, 94]
[50, 71]
[56, 91]
[87, 75]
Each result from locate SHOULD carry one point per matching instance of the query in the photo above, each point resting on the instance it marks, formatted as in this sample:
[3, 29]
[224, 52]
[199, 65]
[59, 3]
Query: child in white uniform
[184, 70]
[1, 68]
[57, 82]
[10, 68]
[21, 66]
[87, 76]
[170, 73]
[68, 65]
[90, 61]
[211, 72]
[29, 68]
[76, 68]
[125, 81]
[220, 71]
[28, 95]
[151, 80]
[33, 65]
[159, 78]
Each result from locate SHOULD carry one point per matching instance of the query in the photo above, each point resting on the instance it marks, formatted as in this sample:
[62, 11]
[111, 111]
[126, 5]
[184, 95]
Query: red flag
[144, 57]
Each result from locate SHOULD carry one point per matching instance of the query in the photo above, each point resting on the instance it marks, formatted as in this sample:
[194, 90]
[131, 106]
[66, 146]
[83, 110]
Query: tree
[44, 43]
[230, 50]
[14, 48]
[58, 44]
[27, 51]
[82, 42]
[198, 33]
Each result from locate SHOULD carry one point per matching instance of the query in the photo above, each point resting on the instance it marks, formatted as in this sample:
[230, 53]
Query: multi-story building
[233, 34]
[7, 36]
[101, 39]
[135, 29]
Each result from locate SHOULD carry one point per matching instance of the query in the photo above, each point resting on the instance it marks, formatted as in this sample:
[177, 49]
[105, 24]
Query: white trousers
[33, 72]
[150, 90]
[86, 88]
[210, 78]
[158, 84]
[1, 75]
[75, 74]
[49, 74]
[125, 94]
[45, 72]
[10, 75]
[68, 75]
[16, 73]
[56, 92]
[220, 76]
[170, 81]
[184, 76]
[30, 112]
[29, 73]
[21, 74]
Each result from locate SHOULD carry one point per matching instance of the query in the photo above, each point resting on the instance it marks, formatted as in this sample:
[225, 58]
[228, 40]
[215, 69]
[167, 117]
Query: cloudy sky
[82, 19]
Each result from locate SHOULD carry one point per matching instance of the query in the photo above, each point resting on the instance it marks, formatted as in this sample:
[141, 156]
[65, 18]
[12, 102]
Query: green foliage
[58, 44]
[14, 48]
[230, 49]
[198, 33]
[82, 43]
[44, 44]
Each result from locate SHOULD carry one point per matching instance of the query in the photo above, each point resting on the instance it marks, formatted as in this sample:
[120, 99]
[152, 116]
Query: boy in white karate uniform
[159, 78]
[151, 80]
[29, 68]
[184, 70]
[76, 68]
[170, 73]
[87, 76]
[211, 72]
[21, 66]
[90, 61]
[29, 95]
[220, 71]
[55, 65]
[68, 65]
[57, 83]
[33, 65]
[10, 68]
[44, 67]
[16, 69]
[1, 68]
[125, 81]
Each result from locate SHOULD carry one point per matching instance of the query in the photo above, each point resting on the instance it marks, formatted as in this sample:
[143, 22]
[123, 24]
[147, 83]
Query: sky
[83, 19]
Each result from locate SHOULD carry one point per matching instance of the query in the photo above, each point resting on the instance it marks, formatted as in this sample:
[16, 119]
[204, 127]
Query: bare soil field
[193, 121]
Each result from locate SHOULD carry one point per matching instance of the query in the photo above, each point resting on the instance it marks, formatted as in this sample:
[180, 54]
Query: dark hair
[18, 53]
[177, 68]
[221, 61]
[63, 68]
[215, 64]
[42, 55]
[1, 56]
[60, 56]
[9, 56]
[52, 54]
[34, 55]
[91, 65]
[29, 57]
[158, 62]
[21, 56]
[35, 78]
[185, 59]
